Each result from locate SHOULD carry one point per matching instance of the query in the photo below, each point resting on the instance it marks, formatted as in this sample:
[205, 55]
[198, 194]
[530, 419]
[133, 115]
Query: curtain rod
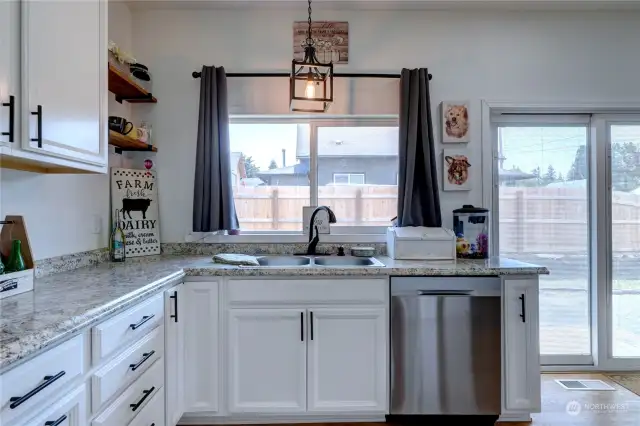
[196, 74]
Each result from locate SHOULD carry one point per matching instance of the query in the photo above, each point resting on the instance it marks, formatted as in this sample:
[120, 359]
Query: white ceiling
[510, 5]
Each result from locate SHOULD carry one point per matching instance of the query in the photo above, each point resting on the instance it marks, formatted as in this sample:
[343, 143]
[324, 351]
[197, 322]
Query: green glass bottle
[15, 262]
[117, 242]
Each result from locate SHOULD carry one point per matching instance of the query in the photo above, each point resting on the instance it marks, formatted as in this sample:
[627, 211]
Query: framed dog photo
[456, 170]
[455, 122]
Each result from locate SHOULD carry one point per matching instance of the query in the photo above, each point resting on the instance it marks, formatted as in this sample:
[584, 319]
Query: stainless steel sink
[284, 261]
[346, 261]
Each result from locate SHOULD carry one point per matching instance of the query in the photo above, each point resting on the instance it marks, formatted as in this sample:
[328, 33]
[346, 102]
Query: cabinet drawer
[130, 325]
[353, 291]
[152, 413]
[126, 367]
[133, 400]
[28, 387]
[70, 410]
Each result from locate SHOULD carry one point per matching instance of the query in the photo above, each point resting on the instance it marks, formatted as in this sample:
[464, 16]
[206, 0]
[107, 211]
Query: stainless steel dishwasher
[445, 345]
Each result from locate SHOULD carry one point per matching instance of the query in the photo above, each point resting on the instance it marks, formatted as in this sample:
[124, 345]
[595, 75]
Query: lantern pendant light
[311, 81]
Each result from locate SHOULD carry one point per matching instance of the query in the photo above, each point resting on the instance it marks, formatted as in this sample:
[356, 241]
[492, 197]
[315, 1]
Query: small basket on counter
[14, 237]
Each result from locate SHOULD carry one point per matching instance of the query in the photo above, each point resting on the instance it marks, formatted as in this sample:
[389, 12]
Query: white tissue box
[421, 243]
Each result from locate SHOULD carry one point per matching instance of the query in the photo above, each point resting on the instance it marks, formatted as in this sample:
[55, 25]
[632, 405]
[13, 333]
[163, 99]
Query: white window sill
[283, 238]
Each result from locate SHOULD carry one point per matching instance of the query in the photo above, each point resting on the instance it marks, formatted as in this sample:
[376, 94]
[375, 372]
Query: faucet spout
[314, 240]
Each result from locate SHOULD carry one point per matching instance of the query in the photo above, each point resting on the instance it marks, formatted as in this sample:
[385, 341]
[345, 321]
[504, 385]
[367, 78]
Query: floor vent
[585, 385]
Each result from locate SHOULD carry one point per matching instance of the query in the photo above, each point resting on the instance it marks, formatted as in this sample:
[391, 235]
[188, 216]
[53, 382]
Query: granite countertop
[64, 304]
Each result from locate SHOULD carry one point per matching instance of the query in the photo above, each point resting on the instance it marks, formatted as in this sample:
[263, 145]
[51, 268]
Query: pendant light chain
[309, 39]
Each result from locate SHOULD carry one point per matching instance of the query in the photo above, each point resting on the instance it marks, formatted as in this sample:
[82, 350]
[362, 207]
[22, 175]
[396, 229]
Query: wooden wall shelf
[126, 89]
[125, 143]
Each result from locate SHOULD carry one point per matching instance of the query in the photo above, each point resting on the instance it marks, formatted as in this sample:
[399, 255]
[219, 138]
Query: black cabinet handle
[38, 137]
[145, 356]
[523, 315]
[175, 306]
[18, 400]
[142, 321]
[311, 324]
[302, 326]
[146, 393]
[12, 117]
[56, 422]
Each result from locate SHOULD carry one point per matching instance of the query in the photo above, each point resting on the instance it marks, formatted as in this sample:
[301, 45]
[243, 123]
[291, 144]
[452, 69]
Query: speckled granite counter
[65, 303]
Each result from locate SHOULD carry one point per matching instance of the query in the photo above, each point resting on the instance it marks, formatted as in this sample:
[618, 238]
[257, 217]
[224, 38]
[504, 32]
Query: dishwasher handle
[445, 292]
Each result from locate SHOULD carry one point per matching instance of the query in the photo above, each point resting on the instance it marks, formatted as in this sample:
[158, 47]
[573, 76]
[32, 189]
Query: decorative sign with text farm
[134, 199]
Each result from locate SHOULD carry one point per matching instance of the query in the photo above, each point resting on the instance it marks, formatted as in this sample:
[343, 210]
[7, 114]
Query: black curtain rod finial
[196, 74]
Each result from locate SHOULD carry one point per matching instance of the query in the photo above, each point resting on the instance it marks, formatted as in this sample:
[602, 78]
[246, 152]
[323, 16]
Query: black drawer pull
[145, 357]
[146, 393]
[12, 117]
[175, 306]
[18, 400]
[56, 422]
[311, 323]
[142, 321]
[38, 137]
[523, 315]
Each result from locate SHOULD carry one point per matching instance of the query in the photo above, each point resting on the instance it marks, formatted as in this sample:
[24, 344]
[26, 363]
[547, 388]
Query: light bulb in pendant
[310, 90]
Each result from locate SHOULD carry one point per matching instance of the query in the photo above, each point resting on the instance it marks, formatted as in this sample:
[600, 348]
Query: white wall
[61, 210]
[523, 57]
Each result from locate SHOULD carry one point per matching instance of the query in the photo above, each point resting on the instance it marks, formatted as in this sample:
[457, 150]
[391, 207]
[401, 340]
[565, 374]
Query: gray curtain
[418, 196]
[213, 207]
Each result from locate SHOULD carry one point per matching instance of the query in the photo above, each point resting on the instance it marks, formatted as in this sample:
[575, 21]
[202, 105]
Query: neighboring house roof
[350, 141]
[296, 169]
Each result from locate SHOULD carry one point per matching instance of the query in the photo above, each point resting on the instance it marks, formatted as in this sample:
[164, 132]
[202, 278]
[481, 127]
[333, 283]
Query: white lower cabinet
[310, 360]
[267, 355]
[174, 354]
[201, 346]
[347, 363]
[70, 410]
[521, 347]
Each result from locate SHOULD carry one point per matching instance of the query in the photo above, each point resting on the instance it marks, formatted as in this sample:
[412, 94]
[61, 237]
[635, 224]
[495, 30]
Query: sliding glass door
[541, 182]
[623, 302]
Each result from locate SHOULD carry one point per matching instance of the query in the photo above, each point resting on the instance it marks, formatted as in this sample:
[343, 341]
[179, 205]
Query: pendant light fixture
[311, 81]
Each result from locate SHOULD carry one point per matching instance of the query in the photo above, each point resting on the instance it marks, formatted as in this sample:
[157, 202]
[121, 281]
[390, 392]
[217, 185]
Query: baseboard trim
[212, 419]
[515, 417]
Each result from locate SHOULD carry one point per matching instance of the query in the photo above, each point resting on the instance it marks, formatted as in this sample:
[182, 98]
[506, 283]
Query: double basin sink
[329, 261]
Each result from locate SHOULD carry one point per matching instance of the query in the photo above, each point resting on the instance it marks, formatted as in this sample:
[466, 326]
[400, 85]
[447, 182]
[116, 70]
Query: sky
[531, 147]
[264, 142]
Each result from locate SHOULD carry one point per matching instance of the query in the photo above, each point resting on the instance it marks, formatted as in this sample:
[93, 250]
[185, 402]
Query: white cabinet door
[9, 72]
[267, 361]
[70, 410]
[201, 346]
[347, 360]
[521, 347]
[64, 59]
[174, 353]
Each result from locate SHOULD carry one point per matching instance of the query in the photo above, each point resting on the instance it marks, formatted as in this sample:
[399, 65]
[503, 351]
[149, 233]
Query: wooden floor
[597, 408]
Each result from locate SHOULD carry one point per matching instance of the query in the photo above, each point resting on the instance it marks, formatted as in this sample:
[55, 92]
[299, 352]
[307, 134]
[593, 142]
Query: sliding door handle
[12, 117]
[38, 137]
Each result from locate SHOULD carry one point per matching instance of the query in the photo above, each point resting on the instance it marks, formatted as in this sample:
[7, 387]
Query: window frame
[349, 176]
[315, 122]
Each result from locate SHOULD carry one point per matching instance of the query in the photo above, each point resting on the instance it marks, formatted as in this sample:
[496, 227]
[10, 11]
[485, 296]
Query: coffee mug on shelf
[120, 125]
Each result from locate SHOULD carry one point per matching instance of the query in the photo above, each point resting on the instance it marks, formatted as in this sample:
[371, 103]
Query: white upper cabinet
[267, 353]
[347, 360]
[9, 72]
[521, 362]
[64, 88]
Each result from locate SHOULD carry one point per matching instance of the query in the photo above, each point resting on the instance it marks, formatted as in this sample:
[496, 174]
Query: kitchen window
[280, 164]
[348, 178]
